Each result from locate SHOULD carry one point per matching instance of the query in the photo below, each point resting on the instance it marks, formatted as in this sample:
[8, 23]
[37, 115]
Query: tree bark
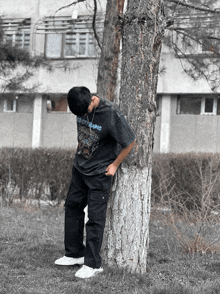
[108, 62]
[128, 215]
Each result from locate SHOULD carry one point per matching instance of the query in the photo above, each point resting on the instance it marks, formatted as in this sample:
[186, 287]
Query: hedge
[35, 171]
[191, 179]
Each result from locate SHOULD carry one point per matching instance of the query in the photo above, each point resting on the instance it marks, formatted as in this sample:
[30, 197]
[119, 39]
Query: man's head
[79, 99]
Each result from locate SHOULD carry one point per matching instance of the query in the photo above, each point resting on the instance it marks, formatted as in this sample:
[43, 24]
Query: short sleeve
[120, 130]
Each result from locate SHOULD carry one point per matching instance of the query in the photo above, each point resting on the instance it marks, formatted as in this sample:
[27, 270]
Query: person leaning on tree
[101, 129]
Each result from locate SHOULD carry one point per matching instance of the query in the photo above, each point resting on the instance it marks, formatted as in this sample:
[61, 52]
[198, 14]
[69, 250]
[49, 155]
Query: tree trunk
[108, 63]
[128, 215]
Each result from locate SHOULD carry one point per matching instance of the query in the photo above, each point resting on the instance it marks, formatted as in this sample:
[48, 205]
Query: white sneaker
[87, 272]
[69, 261]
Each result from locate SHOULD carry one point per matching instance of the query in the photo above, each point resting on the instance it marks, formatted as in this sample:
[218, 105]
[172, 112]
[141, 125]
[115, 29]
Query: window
[198, 105]
[10, 105]
[79, 45]
[17, 32]
[189, 105]
[218, 106]
[70, 45]
[54, 46]
[68, 38]
[57, 104]
[209, 106]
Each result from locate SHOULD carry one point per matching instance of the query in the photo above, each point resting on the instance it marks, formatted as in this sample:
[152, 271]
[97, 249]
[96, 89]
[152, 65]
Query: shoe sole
[96, 273]
[69, 264]
[75, 263]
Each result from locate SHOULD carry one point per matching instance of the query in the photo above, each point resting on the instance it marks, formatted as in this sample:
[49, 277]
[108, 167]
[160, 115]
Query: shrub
[36, 171]
[189, 185]
[188, 180]
[178, 180]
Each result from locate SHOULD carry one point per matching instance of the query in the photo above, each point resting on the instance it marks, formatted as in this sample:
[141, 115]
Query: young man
[101, 129]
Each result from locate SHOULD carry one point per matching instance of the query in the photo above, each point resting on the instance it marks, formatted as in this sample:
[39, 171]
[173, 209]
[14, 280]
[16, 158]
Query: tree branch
[184, 33]
[69, 5]
[179, 2]
[94, 26]
[197, 68]
[94, 17]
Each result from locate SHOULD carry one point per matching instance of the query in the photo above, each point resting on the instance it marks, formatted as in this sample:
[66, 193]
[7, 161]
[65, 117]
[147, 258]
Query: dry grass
[31, 239]
[193, 237]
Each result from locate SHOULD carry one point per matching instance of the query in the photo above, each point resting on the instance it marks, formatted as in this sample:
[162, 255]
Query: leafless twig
[179, 2]
[94, 24]
[69, 5]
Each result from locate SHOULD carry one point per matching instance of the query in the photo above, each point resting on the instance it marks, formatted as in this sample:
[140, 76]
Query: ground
[31, 239]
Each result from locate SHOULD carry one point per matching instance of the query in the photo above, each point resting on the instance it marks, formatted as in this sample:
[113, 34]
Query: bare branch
[94, 26]
[94, 17]
[183, 32]
[179, 2]
[69, 5]
[7, 81]
[196, 39]
[196, 67]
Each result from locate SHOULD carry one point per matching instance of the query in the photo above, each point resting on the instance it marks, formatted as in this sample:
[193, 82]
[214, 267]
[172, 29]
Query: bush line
[189, 179]
[37, 171]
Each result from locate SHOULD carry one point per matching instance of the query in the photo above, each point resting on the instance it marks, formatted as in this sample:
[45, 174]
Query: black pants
[94, 191]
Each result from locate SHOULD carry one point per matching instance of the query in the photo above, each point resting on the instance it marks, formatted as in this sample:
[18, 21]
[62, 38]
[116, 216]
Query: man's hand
[111, 170]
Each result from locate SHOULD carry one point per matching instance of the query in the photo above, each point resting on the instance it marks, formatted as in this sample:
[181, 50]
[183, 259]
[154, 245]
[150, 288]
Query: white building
[65, 37]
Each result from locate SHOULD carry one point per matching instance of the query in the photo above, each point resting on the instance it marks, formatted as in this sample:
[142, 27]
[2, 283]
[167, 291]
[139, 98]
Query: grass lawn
[32, 239]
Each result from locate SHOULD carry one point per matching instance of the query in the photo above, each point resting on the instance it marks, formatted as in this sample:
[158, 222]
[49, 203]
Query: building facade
[188, 110]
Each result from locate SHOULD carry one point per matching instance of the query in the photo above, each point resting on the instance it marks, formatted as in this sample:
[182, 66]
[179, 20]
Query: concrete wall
[16, 129]
[59, 130]
[41, 8]
[175, 80]
[82, 73]
[32, 126]
[55, 129]
[190, 133]
[195, 133]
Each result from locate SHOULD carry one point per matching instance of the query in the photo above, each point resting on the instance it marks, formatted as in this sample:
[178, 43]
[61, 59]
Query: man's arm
[111, 169]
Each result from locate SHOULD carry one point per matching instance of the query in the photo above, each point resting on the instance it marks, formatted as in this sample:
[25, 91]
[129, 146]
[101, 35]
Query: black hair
[79, 99]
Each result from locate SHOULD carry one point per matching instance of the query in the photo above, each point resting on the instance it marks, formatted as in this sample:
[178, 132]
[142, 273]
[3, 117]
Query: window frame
[63, 44]
[14, 27]
[178, 110]
[87, 43]
[64, 25]
[203, 104]
[56, 102]
[5, 106]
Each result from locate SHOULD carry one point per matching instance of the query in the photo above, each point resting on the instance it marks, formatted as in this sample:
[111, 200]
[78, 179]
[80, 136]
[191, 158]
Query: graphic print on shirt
[88, 141]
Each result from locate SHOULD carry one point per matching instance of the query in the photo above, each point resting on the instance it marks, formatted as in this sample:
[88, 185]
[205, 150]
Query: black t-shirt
[99, 134]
